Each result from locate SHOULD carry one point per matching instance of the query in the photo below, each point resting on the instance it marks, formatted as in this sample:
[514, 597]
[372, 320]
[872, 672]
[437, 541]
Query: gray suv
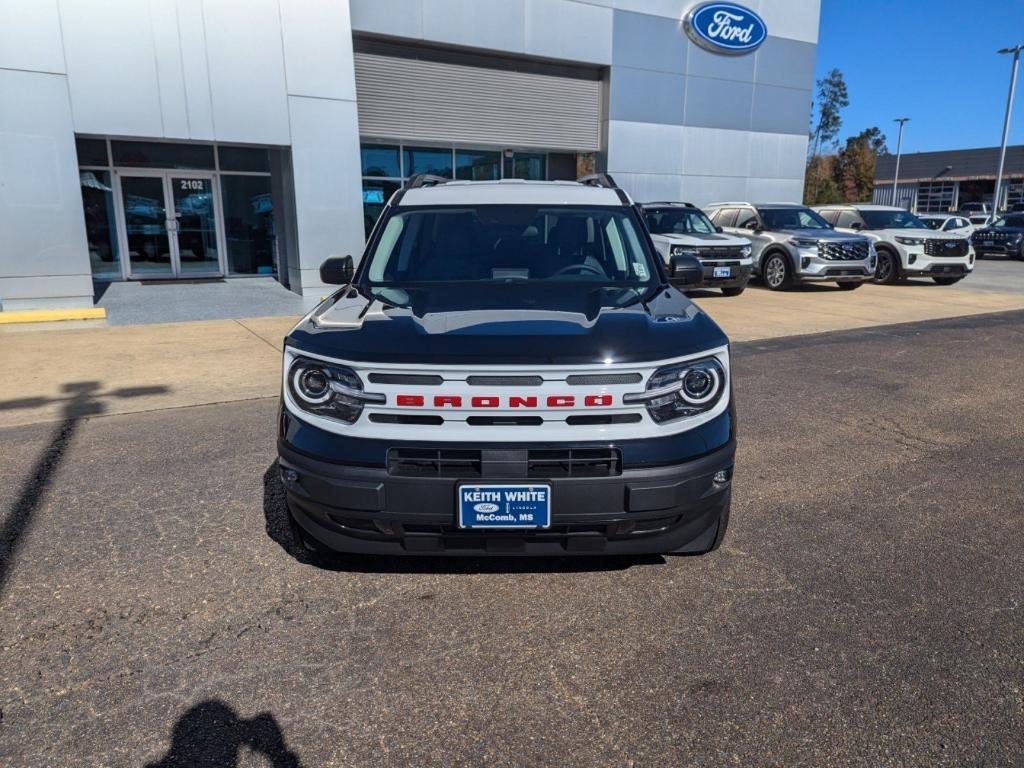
[793, 244]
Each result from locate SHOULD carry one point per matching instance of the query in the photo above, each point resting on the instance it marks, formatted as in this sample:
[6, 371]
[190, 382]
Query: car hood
[997, 230]
[819, 234]
[922, 233]
[445, 326]
[699, 239]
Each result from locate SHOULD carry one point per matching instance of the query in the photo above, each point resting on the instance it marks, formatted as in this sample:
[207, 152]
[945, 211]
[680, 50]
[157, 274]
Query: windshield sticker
[640, 270]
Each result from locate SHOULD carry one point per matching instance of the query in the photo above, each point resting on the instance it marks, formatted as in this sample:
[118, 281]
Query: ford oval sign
[725, 28]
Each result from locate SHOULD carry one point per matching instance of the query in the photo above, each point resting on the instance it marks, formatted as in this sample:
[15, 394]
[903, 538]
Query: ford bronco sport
[509, 370]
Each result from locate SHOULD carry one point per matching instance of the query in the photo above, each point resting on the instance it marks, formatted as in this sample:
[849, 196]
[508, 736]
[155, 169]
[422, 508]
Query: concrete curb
[52, 315]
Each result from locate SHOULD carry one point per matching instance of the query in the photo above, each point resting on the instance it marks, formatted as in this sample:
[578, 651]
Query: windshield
[933, 223]
[510, 244]
[678, 221]
[891, 220]
[792, 218]
[1016, 222]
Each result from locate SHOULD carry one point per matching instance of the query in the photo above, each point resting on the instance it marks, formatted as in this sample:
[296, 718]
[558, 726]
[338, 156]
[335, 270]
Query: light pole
[1015, 50]
[899, 145]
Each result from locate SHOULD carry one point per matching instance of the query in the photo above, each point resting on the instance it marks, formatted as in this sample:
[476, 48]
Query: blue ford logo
[725, 28]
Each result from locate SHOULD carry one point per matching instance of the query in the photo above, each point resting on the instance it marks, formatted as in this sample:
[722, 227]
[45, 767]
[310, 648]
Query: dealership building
[936, 182]
[210, 139]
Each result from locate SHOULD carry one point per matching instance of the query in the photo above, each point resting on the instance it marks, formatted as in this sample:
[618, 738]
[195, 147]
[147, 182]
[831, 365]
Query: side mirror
[337, 270]
[752, 224]
[718, 229]
[856, 225]
[685, 272]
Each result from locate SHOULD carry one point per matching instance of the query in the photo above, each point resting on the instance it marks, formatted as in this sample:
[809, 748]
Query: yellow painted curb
[52, 315]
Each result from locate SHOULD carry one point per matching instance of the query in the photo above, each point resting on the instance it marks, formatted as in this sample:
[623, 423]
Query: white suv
[906, 246]
[683, 229]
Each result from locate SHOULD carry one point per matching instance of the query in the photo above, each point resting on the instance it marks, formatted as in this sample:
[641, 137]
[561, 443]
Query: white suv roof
[862, 207]
[511, 192]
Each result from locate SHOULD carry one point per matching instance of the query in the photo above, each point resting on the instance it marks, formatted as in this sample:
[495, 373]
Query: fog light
[290, 476]
[913, 258]
[722, 476]
[805, 262]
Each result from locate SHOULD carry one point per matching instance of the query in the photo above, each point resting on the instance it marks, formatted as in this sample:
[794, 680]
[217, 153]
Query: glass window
[376, 193]
[91, 151]
[745, 218]
[100, 230]
[474, 165]
[726, 217]
[151, 154]
[428, 160]
[678, 221]
[244, 159]
[511, 245]
[886, 219]
[525, 165]
[846, 219]
[380, 161]
[792, 218]
[249, 224]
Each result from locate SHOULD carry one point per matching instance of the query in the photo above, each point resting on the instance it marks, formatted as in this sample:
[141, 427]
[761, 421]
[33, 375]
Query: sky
[933, 61]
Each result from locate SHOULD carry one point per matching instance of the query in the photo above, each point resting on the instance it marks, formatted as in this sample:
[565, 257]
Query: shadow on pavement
[82, 399]
[211, 735]
[279, 528]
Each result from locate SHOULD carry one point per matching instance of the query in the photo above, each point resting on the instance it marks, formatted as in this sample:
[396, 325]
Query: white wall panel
[701, 190]
[649, 187]
[777, 155]
[167, 50]
[328, 190]
[774, 190]
[400, 18]
[318, 48]
[246, 63]
[30, 36]
[645, 147]
[716, 152]
[111, 67]
[194, 69]
[565, 29]
[496, 24]
[42, 224]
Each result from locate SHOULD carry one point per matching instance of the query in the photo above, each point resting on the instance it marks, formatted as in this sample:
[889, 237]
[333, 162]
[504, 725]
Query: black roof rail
[598, 180]
[426, 180]
[669, 202]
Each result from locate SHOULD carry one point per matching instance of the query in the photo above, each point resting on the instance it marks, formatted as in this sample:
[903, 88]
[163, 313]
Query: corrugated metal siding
[415, 100]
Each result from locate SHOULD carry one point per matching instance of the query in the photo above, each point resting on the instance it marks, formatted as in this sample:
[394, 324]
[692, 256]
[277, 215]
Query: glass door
[195, 225]
[147, 226]
[171, 225]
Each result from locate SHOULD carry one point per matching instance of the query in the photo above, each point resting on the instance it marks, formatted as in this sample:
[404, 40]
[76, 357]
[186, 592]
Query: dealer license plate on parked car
[504, 506]
[723, 272]
[989, 242]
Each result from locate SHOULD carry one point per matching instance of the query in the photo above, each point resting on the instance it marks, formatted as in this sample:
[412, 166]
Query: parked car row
[849, 244]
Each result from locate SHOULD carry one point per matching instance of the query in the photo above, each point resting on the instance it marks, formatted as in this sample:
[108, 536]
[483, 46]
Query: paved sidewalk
[127, 369]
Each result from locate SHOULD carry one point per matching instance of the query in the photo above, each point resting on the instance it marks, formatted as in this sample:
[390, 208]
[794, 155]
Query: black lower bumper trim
[640, 511]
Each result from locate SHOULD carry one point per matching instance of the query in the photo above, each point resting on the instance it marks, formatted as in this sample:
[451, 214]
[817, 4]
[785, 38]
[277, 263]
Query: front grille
[406, 378]
[720, 252]
[569, 462]
[951, 247]
[584, 379]
[848, 250]
[504, 381]
[430, 462]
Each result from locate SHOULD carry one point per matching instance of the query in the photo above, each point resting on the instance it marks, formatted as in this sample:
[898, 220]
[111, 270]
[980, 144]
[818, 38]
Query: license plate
[989, 242]
[504, 506]
[722, 272]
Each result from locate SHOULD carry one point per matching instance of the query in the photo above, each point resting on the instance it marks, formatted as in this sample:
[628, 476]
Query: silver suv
[793, 244]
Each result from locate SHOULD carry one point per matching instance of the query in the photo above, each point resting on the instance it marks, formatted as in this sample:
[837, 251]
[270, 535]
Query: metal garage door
[416, 99]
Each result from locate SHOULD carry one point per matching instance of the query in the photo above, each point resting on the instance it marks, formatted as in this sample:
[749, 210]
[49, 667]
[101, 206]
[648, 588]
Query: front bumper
[350, 508]
[1011, 250]
[813, 268]
[914, 262]
[739, 276]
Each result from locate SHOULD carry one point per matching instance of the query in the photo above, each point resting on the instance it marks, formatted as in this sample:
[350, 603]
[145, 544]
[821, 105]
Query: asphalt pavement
[867, 607]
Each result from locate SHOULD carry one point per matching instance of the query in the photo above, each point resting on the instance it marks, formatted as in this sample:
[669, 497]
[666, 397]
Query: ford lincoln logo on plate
[725, 28]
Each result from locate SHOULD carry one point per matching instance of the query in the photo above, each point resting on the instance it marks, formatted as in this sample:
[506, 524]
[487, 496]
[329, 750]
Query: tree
[832, 99]
[855, 164]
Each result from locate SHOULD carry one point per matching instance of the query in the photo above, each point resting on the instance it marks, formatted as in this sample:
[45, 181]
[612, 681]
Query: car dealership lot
[865, 607]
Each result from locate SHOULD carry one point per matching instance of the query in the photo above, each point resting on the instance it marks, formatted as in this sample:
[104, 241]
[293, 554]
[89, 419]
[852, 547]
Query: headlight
[328, 390]
[684, 250]
[686, 389]
[910, 240]
[745, 252]
[801, 242]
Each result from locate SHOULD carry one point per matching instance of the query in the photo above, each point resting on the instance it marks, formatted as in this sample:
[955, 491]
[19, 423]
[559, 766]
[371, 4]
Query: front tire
[947, 280]
[886, 272]
[734, 291]
[848, 286]
[776, 272]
